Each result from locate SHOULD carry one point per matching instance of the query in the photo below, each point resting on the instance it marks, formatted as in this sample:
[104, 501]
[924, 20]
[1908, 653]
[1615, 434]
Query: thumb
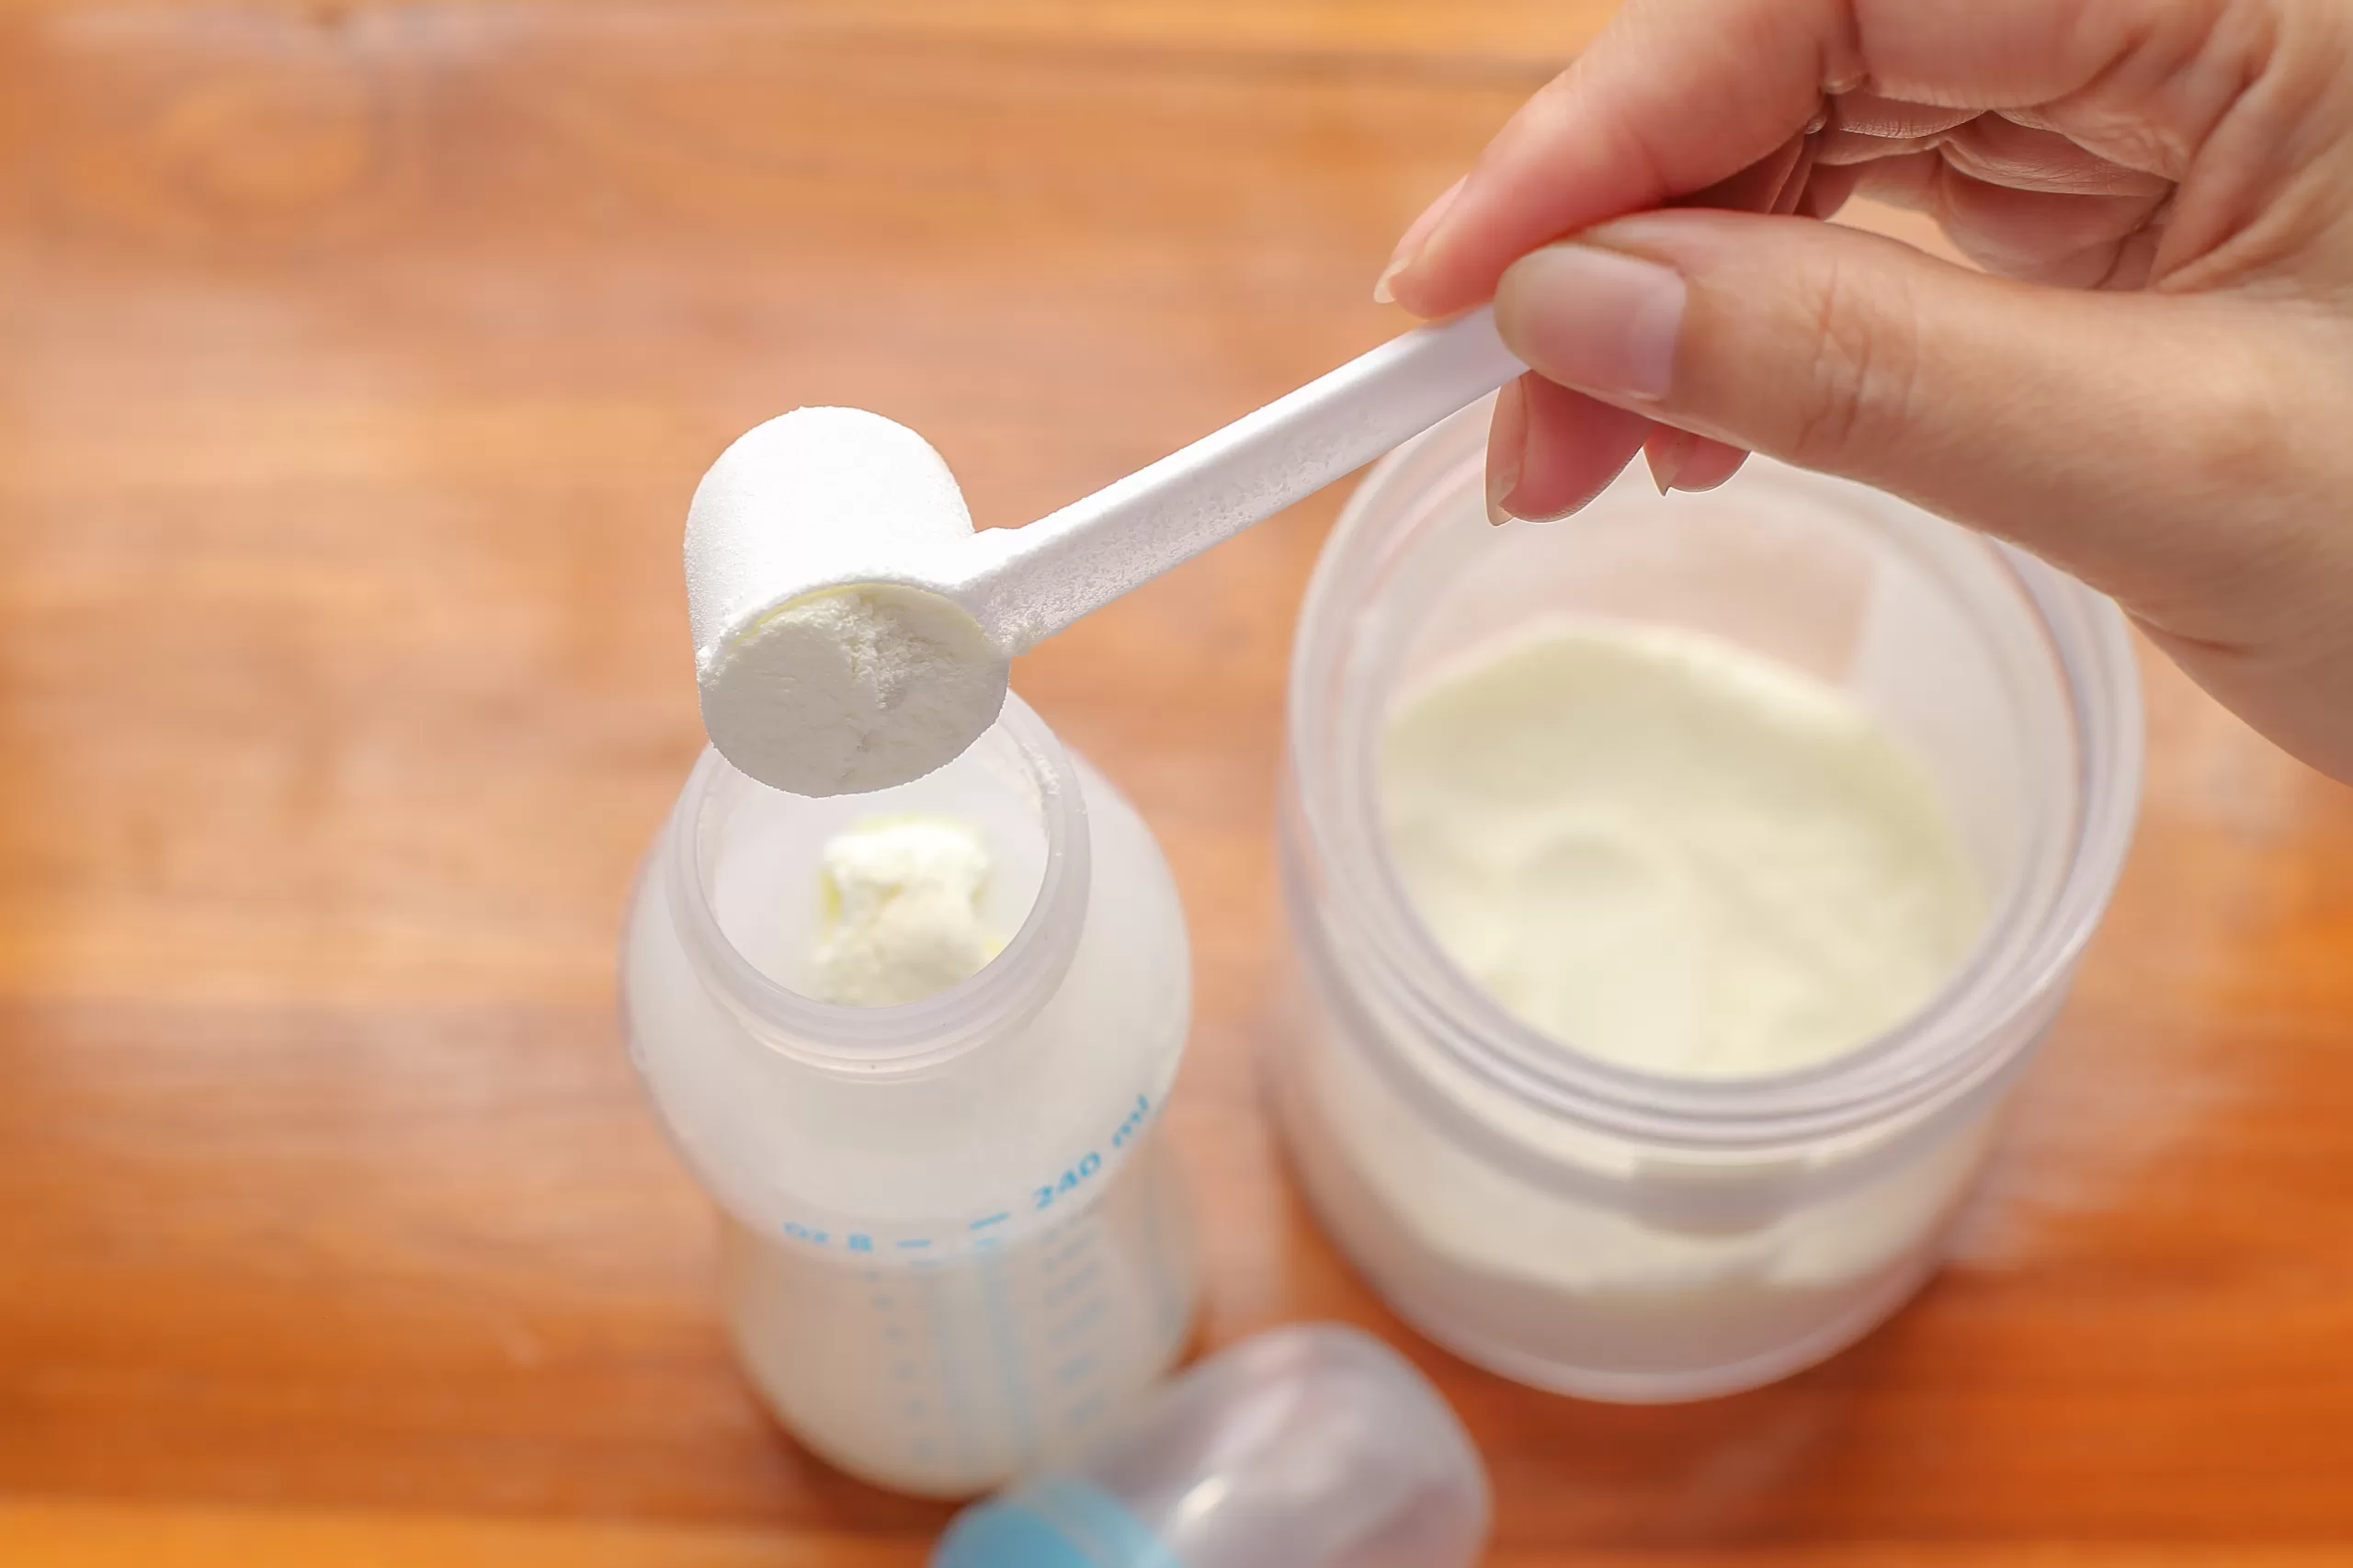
[2109, 432]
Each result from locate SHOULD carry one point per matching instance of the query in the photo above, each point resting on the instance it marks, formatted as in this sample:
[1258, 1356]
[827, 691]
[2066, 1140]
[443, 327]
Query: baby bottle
[953, 1244]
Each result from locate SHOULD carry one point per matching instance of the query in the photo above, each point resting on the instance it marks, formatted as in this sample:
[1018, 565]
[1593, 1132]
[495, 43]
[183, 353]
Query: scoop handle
[1032, 582]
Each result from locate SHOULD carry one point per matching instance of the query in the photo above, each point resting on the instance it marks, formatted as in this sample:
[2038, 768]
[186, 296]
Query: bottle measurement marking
[990, 1332]
[1085, 1318]
[1009, 1332]
[1061, 1291]
[1005, 1337]
[1134, 1124]
[1090, 1162]
[1066, 1184]
[963, 1419]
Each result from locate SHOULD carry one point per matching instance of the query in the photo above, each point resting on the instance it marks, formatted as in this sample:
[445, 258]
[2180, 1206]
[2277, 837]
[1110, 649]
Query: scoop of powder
[902, 912]
[852, 689]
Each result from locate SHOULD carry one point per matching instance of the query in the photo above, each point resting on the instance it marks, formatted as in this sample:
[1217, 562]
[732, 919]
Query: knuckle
[1864, 376]
[2233, 438]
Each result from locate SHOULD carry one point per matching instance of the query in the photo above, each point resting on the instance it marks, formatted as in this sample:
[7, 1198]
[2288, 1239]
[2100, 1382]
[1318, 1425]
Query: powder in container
[1673, 854]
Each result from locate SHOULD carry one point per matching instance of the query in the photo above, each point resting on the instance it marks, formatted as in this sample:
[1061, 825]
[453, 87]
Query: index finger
[1678, 95]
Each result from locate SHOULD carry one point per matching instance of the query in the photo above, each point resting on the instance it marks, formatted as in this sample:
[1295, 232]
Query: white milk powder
[900, 918]
[1673, 854]
[852, 689]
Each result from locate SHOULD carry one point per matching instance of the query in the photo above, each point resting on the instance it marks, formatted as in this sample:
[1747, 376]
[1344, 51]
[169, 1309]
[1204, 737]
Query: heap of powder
[852, 689]
[901, 917]
[1669, 852]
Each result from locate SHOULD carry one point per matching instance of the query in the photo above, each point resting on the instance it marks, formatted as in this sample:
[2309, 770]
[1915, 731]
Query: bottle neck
[725, 825]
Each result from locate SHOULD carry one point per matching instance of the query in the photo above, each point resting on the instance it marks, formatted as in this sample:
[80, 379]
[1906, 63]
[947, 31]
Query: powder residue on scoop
[852, 689]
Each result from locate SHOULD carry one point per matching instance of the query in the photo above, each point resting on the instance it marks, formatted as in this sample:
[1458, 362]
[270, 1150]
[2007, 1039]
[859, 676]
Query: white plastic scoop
[853, 632]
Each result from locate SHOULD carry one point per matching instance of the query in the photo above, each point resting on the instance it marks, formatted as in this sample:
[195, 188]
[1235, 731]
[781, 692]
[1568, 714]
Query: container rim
[1375, 944]
[915, 1036]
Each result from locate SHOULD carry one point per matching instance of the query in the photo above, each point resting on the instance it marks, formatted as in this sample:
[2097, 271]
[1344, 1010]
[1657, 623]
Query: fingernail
[1596, 319]
[1507, 450]
[1417, 237]
[1667, 456]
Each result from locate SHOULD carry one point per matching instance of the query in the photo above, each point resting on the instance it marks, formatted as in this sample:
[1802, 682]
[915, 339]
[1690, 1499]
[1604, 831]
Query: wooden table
[355, 363]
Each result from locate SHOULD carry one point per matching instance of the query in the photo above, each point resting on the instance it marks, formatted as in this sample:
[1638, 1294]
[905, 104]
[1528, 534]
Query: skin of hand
[2151, 384]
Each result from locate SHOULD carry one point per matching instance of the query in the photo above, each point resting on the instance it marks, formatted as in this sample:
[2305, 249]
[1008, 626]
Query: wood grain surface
[355, 363]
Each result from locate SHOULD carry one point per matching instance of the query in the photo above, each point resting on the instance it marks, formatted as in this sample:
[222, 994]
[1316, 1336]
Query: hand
[2150, 386]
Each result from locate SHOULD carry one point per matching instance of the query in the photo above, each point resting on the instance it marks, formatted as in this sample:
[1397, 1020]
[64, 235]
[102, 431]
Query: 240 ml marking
[1069, 1181]
[1090, 1162]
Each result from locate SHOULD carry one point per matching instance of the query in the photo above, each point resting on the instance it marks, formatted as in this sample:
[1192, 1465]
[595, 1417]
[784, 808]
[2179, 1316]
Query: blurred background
[357, 361]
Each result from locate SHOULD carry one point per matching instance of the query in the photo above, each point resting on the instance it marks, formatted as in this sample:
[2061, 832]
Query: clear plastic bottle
[1310, 1446]
[954, 1244]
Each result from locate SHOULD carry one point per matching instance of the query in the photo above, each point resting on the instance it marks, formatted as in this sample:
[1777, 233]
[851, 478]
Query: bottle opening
[760, 903]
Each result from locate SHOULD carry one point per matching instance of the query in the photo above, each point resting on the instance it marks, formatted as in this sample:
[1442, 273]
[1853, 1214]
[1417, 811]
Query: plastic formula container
[954, 1244]
[1594, 1229]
